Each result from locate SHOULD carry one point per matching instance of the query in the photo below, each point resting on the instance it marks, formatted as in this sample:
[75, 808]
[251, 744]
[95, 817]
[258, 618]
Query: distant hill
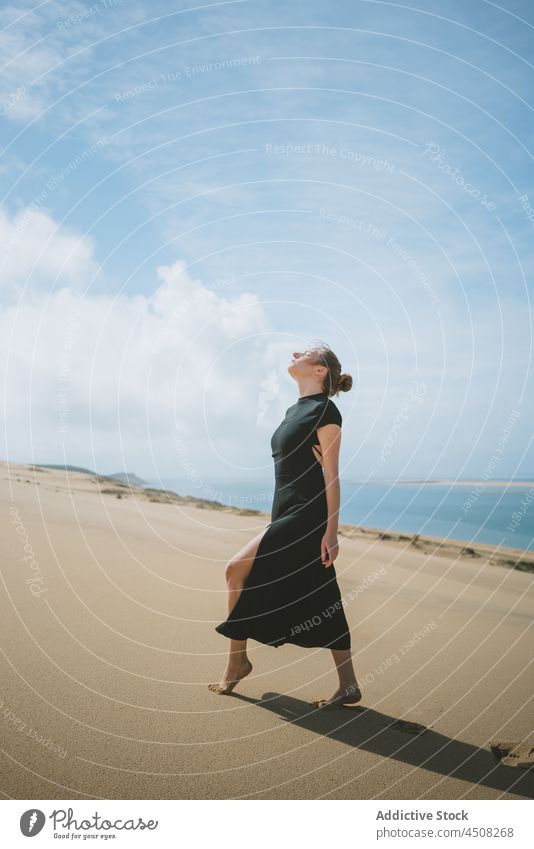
[66, 467]
[123, 477]
[128, 477]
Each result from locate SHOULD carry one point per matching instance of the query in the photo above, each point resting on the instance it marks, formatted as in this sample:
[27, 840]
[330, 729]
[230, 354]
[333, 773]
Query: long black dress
[289, 596]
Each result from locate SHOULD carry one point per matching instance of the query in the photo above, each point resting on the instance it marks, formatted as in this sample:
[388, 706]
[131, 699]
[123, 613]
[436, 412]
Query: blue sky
[190, 193]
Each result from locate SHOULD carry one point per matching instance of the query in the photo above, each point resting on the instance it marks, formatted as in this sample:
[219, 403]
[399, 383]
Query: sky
[193, 191]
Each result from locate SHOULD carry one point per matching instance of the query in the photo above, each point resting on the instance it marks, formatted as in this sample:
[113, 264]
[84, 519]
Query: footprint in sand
[514, 754]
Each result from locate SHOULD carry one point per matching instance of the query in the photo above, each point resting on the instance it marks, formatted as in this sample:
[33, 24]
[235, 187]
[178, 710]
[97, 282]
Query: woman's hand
[329, 549]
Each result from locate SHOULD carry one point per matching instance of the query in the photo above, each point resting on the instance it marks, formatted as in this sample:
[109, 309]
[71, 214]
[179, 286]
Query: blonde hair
[335, 381]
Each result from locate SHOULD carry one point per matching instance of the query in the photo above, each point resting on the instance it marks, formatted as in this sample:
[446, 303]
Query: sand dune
[108, 611]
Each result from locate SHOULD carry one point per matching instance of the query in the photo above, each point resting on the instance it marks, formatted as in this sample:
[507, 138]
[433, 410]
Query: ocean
[487, 514]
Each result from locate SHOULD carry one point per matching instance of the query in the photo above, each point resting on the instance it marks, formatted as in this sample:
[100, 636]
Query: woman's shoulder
[329, 413]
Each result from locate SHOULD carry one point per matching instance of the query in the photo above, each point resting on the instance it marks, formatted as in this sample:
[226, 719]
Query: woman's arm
[330, 442]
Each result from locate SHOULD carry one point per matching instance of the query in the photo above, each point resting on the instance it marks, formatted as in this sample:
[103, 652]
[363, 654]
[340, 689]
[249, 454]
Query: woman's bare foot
[232, 676]
[343, 696]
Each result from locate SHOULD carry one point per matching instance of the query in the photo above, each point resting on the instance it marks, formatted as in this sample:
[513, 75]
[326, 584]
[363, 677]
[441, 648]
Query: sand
[492, 483]
[108, 643]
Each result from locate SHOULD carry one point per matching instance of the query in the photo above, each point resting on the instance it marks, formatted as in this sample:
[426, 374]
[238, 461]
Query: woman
[282, 585]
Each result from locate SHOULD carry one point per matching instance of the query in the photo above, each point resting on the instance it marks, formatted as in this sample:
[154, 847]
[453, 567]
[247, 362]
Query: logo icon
[31, 822]
[268, 391]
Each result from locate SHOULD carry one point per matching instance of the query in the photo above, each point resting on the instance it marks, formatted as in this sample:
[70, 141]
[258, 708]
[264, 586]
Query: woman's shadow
[410, 743]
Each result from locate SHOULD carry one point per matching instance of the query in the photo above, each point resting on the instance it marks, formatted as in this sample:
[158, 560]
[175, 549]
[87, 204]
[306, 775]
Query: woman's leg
[348, 691]
[345, 668]
[238, 664]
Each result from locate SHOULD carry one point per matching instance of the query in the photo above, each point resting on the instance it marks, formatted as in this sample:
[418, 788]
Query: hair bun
[344, 383]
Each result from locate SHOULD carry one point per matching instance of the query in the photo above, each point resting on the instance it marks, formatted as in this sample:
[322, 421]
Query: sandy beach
[110, 596]
[497, 484]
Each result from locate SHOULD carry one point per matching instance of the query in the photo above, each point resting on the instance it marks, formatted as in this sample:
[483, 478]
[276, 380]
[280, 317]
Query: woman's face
[304, 364]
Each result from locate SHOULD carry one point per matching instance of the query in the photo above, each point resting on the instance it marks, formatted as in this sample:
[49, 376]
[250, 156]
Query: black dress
[289, 596]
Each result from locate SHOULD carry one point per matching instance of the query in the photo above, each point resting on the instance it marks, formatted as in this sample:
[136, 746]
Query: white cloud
[95, 378]
[36, 253]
